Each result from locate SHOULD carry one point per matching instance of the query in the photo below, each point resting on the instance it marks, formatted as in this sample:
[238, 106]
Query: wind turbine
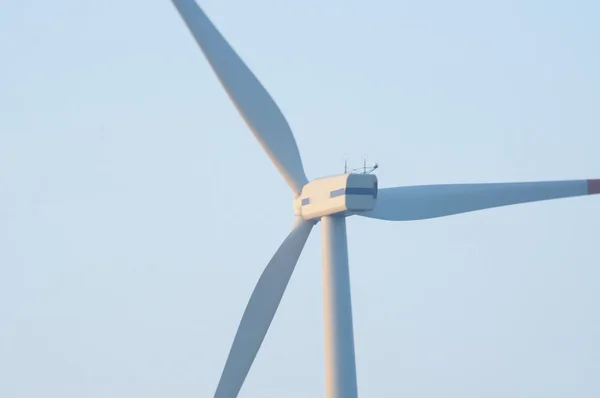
[330, 200]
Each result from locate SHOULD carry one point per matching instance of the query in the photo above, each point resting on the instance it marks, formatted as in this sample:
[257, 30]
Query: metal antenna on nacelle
[366, 169]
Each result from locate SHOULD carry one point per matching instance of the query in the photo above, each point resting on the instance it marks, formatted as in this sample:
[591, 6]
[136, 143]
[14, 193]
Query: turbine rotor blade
[261, 309]
[251, 99]
[430, 201]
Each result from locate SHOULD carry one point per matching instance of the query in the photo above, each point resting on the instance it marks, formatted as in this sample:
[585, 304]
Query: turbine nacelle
[336, 195]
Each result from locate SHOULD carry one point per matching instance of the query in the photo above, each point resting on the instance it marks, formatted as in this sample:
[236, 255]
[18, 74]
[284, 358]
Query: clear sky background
[137, 211]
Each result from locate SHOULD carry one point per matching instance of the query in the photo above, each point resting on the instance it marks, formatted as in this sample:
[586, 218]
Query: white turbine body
[343, 194]
[330, 200]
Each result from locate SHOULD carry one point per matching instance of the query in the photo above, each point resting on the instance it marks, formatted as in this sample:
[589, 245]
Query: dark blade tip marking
[593, 187]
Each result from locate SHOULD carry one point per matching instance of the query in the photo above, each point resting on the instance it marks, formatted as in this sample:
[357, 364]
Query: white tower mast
[340, 366]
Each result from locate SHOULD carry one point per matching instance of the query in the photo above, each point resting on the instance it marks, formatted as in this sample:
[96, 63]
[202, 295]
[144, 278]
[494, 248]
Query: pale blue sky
[137, 211]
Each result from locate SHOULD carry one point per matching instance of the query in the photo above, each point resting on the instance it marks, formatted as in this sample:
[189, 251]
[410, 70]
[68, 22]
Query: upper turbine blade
[429, 201]
[250, 98]
[261, 309]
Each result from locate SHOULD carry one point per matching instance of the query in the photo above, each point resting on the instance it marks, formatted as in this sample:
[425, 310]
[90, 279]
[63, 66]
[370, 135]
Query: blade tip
[593, 186]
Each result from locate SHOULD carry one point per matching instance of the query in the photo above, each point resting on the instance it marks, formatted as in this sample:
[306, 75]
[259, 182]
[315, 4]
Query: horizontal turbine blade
[261, 309]
[251, 99]
[429, 201]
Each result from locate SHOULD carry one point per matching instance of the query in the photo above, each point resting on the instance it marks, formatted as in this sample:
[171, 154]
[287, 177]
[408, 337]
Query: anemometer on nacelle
[364, 169]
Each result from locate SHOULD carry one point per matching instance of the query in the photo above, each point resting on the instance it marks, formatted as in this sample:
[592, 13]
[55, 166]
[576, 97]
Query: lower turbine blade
[261, 309]
[429, 201]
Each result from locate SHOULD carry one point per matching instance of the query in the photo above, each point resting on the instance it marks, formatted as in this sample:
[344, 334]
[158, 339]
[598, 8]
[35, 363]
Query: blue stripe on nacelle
[353, 191]
[337, 192]
[361, 191]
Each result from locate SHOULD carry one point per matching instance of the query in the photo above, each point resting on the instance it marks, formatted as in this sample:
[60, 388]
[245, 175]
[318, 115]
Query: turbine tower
[330, 200]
